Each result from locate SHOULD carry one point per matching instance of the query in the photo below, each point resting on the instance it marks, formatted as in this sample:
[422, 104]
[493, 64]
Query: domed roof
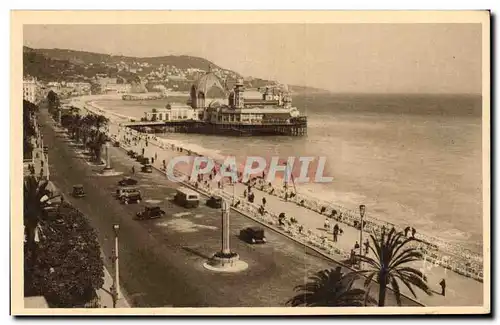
[208, 81]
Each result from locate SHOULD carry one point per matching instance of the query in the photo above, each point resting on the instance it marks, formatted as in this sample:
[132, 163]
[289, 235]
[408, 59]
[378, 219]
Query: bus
[187, 197]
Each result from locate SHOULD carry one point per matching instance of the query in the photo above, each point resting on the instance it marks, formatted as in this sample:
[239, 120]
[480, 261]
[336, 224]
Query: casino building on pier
[214, 108]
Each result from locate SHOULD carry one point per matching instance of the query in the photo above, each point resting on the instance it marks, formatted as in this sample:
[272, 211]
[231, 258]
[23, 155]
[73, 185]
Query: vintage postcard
[250, 163]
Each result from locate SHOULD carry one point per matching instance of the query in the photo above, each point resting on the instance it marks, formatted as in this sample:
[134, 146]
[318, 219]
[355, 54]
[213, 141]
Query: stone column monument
[225, 260]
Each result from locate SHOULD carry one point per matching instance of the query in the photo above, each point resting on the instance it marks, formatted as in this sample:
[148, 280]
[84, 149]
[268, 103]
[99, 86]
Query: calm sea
[412, 160]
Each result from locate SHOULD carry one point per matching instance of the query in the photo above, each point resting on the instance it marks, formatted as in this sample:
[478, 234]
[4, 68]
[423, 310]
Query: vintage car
[116, 144]
[128, 195]
[139, 158]
[253, 235]
[150, 213]
[215, 202]
[78, 191]
[127, 181]
[131, 153]
[146, 168]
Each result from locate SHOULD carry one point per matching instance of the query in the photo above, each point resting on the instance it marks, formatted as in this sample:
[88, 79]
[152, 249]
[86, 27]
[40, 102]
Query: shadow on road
[195, 252]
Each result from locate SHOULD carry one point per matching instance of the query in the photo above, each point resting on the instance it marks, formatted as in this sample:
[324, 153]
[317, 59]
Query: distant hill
[63, 64]
[82, 57]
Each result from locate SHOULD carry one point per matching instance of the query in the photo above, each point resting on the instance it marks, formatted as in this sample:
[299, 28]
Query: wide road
[161, 261]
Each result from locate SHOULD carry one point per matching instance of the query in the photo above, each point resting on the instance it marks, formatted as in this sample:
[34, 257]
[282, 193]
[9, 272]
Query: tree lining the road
[389, 267]
[29, 118]
[328, 288]
[64, 263]
[392, 253]
[89, 129]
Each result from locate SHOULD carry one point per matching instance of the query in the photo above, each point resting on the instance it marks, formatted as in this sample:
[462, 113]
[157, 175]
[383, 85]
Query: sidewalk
[105, 294]
[461, 291]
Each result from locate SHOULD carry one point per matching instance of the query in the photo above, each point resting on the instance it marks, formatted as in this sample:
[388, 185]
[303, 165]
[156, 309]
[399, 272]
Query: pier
[294, 127]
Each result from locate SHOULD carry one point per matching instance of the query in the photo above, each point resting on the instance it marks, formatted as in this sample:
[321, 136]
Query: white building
[30, 89]
[117, 88]
[173, 112]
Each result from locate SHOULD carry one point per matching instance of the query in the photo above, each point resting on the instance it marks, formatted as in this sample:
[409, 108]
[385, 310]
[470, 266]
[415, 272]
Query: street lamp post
[362, 209]
[115, 289]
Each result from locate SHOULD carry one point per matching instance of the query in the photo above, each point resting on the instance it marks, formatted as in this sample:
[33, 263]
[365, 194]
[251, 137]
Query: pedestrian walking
[286, 196]
[443, 287]
[264, 201]
[133, 170]
[327, 224]
[156, 156]
[413, 232]
[367, 246]
[407, 230]
[356, 246]
[353, 257]
[336, 232]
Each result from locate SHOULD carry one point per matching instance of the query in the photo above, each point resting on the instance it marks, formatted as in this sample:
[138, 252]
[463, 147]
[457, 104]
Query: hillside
[82, 57]
[63, 64]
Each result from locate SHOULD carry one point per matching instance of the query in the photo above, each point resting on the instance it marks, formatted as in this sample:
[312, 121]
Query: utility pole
[362, 209]
[115, 288]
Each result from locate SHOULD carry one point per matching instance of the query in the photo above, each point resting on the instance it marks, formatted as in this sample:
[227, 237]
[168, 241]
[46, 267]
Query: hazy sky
[427, 58]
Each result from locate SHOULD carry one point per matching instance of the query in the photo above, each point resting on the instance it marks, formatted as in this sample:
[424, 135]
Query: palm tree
[36, 198]
[98, 140]
[100, 121]
[329, 288]
[389, 265]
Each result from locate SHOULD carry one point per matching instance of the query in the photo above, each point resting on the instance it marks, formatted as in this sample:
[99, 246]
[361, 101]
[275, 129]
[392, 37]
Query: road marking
[153, 201]
[181, 214]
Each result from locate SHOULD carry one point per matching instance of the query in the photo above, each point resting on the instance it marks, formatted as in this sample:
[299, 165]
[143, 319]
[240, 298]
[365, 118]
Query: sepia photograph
[250, 163]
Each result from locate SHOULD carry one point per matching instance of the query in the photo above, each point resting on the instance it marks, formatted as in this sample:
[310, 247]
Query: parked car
[128, 195]
[50, 212]
[127, 181]
[150, 213]
[147, 168]
[253, 235]
[131, 153]
[78, 191]
[116, 144]
[215, 202]
[139, 158]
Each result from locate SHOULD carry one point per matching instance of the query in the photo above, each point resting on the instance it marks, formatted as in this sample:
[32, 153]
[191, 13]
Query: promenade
[461, 290]
[161, 260]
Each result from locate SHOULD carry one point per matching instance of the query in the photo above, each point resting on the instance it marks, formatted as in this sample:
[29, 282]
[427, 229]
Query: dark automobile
[128, 195]
[150, 213]
[147, 168]
[253, 235]
[215, 202]
[50, 212]
[139, 158]
[131, 153]
[127, 181]
[78, 191]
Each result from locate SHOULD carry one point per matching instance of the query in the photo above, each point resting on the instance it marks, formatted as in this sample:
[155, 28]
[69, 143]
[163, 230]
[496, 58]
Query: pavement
[161, 261]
